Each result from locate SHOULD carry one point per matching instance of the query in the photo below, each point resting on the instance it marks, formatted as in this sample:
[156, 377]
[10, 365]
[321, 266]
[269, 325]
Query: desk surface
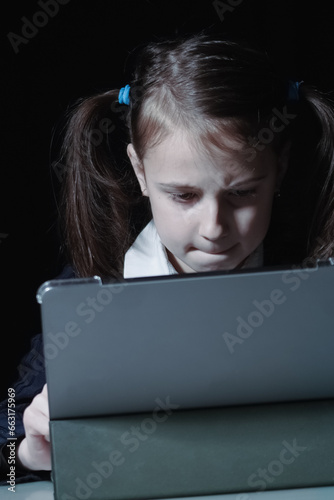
[44, 491]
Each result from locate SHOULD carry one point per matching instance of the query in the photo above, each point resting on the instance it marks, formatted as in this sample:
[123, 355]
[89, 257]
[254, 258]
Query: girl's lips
[219, 252]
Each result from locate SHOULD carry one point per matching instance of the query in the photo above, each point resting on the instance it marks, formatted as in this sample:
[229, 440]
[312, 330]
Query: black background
[81, 50]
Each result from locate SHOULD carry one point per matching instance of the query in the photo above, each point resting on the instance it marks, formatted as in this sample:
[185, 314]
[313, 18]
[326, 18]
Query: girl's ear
[283, 162]
[138, 168]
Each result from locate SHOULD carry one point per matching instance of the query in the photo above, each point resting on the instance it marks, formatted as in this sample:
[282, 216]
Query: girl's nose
[213, 221]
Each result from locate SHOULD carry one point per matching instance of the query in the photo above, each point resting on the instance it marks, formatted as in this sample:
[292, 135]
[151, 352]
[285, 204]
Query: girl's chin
[214, 263]
[206, 262]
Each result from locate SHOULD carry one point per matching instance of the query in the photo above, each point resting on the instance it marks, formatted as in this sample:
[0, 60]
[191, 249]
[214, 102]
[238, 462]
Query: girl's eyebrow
[248, 181]
[177, 185]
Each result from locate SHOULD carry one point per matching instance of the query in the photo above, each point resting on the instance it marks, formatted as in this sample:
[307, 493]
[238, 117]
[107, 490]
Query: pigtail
[100, 188]
[321, 234]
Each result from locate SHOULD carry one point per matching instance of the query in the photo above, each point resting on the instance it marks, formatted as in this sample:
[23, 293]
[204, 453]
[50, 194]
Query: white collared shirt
[148, 256]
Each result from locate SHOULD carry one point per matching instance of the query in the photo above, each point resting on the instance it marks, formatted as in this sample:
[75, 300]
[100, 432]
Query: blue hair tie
[293, 90]
[123, 96]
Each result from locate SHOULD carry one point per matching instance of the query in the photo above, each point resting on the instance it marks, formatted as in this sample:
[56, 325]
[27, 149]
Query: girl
[209, 160]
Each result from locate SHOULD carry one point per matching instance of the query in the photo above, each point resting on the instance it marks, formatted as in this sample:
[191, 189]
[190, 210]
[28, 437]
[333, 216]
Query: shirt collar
[147, 256]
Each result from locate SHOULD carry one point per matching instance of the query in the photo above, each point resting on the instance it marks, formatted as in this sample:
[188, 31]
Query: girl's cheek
[249, 220]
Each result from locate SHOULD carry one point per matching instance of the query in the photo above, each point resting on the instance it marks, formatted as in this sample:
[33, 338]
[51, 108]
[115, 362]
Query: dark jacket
[30, 382]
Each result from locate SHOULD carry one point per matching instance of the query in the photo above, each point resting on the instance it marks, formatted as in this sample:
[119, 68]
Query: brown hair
[206, 85]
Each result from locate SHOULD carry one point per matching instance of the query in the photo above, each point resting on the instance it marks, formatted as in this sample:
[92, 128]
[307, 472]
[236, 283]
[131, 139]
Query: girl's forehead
[179, 157]
[181, 145]
[181, 151]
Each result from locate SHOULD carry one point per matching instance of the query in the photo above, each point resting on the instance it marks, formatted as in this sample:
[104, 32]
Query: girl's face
[211, 211]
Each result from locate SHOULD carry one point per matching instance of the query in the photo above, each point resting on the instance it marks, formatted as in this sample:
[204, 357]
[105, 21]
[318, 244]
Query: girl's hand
[34, 451]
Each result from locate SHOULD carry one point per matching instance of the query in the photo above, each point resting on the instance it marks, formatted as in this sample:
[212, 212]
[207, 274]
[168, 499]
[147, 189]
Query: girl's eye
[183, 197]
[243, 193]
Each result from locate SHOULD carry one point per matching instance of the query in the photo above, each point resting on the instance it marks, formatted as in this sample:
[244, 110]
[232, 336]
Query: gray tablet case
[193, 348]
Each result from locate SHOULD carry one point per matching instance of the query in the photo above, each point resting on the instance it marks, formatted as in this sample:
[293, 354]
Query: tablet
[188, 341]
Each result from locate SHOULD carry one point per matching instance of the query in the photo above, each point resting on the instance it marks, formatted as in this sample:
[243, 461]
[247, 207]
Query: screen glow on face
[211, 211]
